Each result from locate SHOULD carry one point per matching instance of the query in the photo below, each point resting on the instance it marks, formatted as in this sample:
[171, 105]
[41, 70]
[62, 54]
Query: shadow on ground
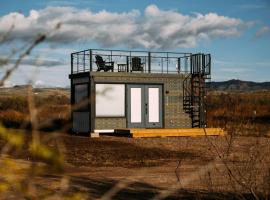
[81, 151]
[137, 190]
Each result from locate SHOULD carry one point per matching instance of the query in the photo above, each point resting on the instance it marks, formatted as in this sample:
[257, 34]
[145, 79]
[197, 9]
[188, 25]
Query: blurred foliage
[19, 178]
[46, 154]
[13, 138]
[18, 103]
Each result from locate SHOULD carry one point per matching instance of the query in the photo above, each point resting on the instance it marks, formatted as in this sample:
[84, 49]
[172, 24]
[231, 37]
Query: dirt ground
[156, 160]
[125, 168]
[173, 167]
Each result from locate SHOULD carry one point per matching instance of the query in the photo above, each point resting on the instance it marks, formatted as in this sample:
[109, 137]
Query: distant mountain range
[238, 85]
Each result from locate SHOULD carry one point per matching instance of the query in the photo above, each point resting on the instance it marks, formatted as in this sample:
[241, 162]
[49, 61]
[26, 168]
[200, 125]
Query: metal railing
[152, 62]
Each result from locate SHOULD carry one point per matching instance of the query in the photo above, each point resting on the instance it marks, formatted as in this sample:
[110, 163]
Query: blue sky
[236, 33]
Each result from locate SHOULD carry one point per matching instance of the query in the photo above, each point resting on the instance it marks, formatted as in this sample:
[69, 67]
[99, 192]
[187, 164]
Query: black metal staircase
[194, 89]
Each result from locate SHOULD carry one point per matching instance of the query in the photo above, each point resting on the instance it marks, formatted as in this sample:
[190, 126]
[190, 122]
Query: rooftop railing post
[111, 57]
[90, 59]
[78, 62]
[71, 62]
[203, 64]
[178, 65]
[162, 65]
[145, 59]
[191, 63]
[209, 64]
[195, 64]
[195, 69]
[127, 64]
[167, 63]
[186, 63]
[130, 61]
[149, 62]
[84, 61]
[111, 61]
[198, 64]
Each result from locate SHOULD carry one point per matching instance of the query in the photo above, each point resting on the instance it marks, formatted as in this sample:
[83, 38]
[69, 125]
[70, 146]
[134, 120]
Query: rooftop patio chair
[136, 64]
[102, 65]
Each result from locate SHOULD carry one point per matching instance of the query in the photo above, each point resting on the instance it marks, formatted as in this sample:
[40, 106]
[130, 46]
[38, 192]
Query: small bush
[17, 103]
[53, 109]
[14, 119]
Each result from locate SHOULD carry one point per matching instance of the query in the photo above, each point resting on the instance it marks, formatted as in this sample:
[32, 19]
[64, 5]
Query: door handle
[146, 108]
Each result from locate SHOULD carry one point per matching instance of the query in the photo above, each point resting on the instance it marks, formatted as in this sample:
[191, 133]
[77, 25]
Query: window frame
[87, 106]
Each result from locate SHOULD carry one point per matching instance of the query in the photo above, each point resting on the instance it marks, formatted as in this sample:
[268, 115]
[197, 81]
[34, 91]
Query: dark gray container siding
[174, 115]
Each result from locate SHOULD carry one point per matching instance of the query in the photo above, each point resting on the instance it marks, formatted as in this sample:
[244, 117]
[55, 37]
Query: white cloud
[262, 31]
[8, 84]
[39, 83]
[243, 64]
[38, 62]
[155, 28]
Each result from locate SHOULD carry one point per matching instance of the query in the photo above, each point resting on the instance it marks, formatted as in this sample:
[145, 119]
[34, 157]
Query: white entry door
[144, 106]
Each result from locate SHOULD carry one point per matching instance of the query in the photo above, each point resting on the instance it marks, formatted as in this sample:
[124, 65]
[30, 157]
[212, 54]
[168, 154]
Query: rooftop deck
[136, 61]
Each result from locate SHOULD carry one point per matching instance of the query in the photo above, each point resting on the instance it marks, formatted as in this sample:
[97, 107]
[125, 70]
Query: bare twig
[177, 171]
[4, 36]
[229, 170]
[8, 73]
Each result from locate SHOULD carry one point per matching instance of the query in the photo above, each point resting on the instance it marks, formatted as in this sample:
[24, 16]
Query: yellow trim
[173, 132]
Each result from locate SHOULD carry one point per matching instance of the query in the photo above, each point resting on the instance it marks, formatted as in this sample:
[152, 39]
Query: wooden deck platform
[169, 132]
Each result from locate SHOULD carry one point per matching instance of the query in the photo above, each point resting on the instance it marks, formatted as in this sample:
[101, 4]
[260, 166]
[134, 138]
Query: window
[81, 96]
[110, 100]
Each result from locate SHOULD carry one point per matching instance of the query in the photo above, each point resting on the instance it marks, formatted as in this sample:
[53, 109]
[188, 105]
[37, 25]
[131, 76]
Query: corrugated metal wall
[81, 113]
[81, 122]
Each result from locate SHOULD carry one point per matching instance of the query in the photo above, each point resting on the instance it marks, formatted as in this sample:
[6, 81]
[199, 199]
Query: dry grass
[240, 113]
[50, 103]
[234, 166]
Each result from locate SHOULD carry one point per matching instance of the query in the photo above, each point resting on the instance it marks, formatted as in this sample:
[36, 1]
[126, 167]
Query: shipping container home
[116, 89]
